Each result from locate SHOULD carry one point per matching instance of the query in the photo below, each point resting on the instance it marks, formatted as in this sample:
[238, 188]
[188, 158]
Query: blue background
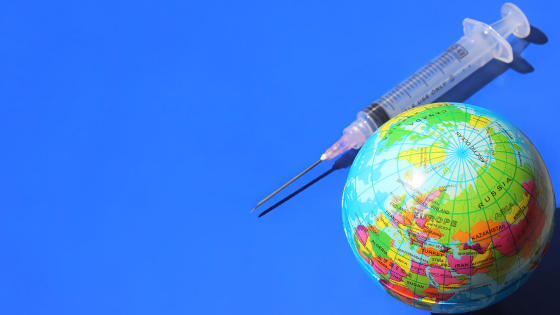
[136, 136]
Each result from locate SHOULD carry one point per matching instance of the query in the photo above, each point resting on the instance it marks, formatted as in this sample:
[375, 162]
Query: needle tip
[288, 183]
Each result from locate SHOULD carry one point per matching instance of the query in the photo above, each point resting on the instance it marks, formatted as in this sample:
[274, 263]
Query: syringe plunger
[513, 22]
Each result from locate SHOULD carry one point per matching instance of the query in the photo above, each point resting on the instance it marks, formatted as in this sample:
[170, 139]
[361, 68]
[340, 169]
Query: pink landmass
[443, 276]
[397, 273]
[504, 240]
[417, 268]
[386, 284]
[429, 198]
[529, 187]
[523, 234]
[398, 217]
[420, 237]
[461, 266]
[535, 215]
[362, 233]
[421, 222]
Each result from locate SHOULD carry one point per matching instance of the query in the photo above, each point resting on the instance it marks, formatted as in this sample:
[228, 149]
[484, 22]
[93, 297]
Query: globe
[448, 207]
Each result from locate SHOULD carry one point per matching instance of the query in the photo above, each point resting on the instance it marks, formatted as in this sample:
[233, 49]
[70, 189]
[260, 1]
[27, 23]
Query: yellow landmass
[429, 300]
[396, 282]
[479, 121]
[382, 221]
[424, 156]
[408, 175]
[483, 262]
[368, 247]
[481, 258]
[415, 228]
[364, 251]
[403, 262]
[453, 285]
[516, 213]
[386, 126]
[392, 253]
[440, 260]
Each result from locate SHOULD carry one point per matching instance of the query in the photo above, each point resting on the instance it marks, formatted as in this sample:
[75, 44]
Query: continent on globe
[449, 207]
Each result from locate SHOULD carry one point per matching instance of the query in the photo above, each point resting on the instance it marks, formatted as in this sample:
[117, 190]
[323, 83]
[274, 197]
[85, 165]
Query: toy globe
[448, 207]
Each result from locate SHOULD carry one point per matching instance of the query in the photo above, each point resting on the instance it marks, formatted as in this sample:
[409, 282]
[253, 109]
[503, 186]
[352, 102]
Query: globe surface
[448, 207]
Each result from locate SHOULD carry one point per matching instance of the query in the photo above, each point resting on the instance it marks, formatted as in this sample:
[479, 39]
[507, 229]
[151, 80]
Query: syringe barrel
[430, 82]
[480, 44]
[437, 77]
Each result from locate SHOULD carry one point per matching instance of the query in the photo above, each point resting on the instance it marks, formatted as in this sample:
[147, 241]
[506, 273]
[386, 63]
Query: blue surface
[136, 136]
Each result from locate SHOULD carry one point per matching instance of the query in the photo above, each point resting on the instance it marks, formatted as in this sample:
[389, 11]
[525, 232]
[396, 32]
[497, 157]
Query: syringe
[480, 44]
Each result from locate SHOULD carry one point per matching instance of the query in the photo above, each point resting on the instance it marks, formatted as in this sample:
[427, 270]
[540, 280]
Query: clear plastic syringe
[480, 44]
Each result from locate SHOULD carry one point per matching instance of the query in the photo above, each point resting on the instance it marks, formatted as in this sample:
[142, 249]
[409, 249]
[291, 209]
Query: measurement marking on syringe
[413, 85]
[403, 90]
[435, 64]
[410, 84]
[387, 101]
[421, 79]
[455, 56]
[448, 57]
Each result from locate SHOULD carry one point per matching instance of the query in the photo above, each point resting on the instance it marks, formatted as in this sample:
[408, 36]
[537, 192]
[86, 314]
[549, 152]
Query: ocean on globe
[448, 207]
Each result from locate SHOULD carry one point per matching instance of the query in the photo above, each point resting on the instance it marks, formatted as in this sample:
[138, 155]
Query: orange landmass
[428, 251]
[434, 232]
[482, 232]
[461, 236]
[404, 293]
[408, 218]
[485, 269]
